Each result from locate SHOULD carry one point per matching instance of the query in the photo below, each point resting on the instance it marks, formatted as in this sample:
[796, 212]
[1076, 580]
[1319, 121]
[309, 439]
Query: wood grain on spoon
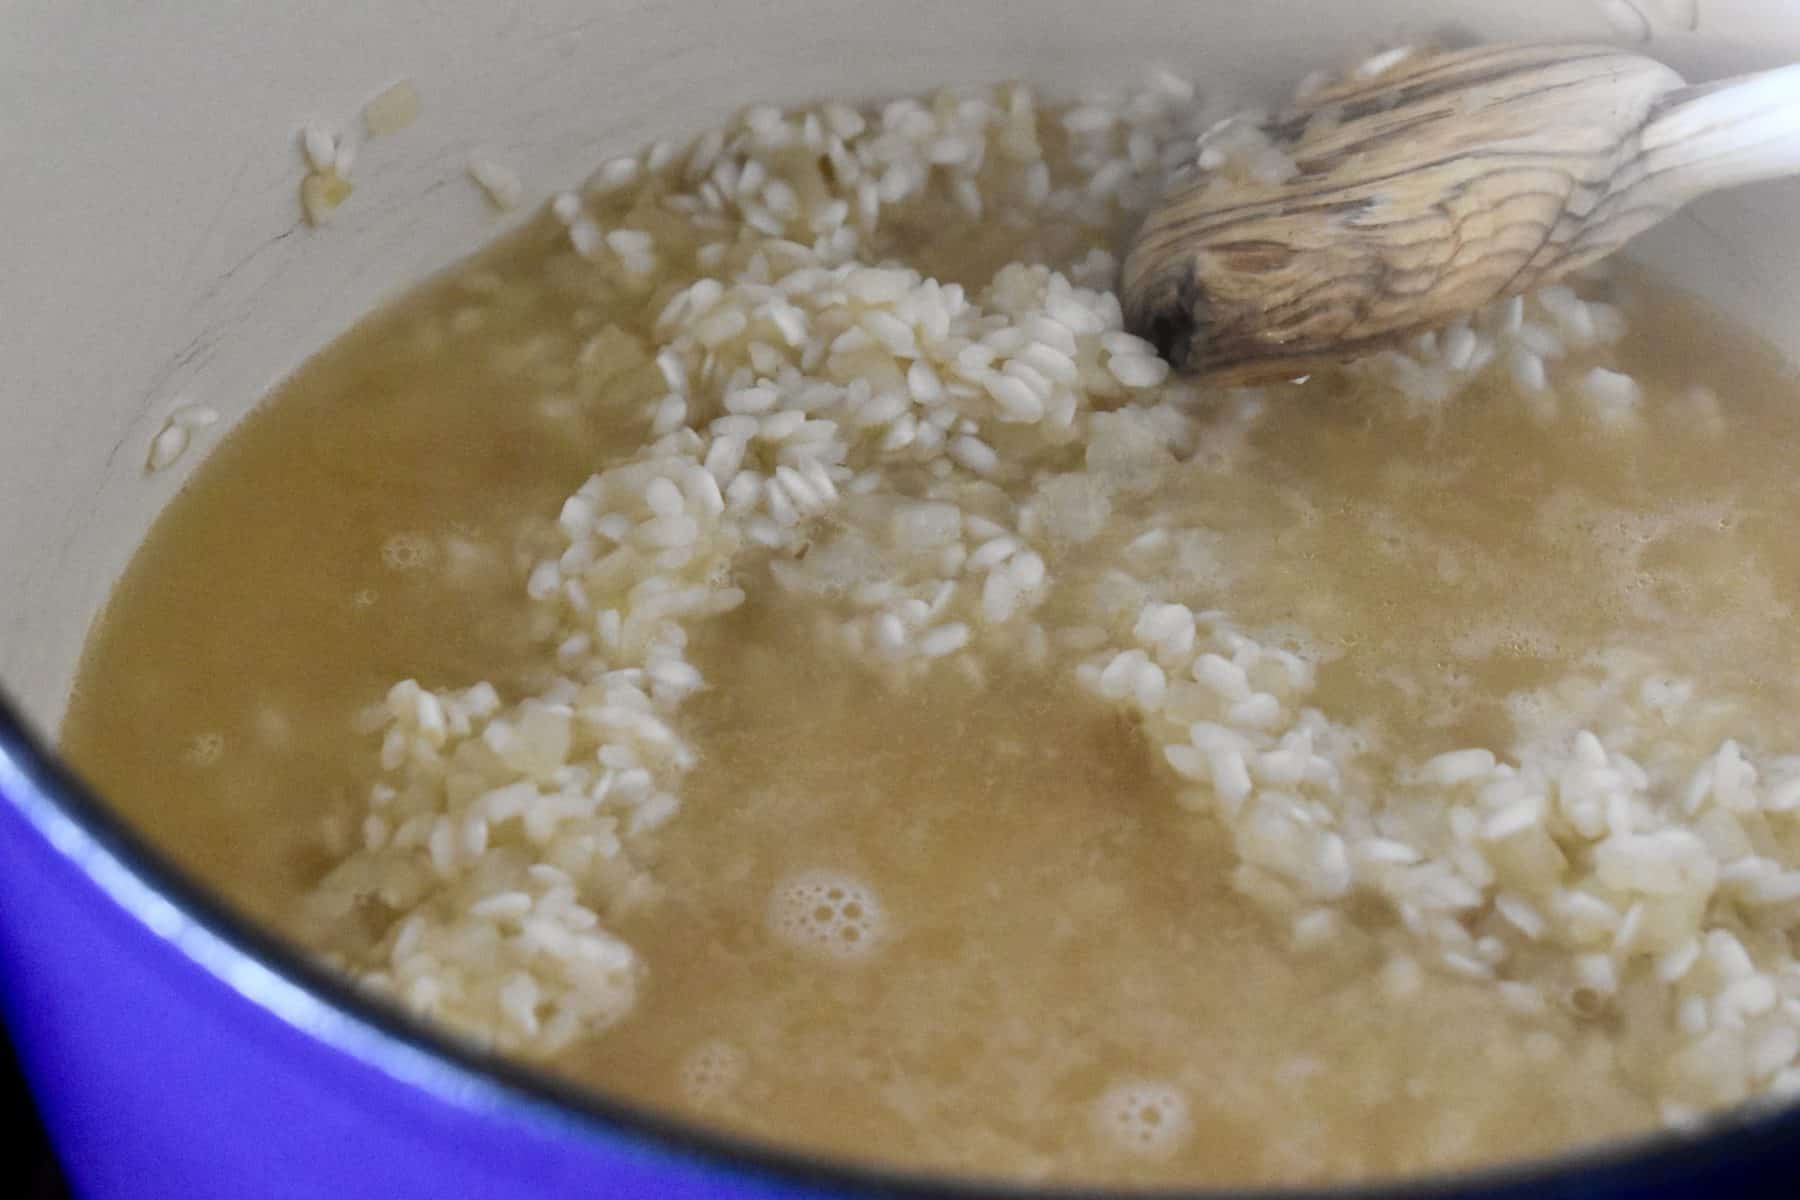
[1448, 181]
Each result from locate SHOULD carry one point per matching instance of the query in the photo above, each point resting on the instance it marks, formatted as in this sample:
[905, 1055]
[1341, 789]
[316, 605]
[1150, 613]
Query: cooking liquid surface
[1053, 923]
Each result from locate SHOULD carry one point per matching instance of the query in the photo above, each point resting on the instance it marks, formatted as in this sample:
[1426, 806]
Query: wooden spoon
[1447, 181]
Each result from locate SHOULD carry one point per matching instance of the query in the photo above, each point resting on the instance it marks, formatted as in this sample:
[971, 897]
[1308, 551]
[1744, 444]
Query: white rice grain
[500, 183]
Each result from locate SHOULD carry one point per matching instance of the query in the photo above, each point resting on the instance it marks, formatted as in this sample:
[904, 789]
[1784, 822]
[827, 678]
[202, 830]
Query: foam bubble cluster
[827, 913]
[1144, 1117]
[206, 749]
[711, 1072]
[407, 552]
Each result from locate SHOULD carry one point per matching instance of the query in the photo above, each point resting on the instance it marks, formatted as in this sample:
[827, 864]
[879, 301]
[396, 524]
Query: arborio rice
[933, 469]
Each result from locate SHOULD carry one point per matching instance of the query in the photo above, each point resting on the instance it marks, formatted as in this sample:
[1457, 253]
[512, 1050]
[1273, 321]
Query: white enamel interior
[153, 254]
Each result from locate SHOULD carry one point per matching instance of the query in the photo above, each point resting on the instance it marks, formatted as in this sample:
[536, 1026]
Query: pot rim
[284, 981]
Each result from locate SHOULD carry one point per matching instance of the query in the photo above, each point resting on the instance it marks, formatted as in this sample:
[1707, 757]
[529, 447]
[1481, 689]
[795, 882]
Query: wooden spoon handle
[1726, 133]
[1693, 141]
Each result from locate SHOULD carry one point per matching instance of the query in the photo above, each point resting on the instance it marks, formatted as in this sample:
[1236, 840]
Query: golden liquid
[1057, 921]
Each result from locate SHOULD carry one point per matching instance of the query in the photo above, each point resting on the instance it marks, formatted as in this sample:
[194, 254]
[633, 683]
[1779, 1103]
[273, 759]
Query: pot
[155, 257]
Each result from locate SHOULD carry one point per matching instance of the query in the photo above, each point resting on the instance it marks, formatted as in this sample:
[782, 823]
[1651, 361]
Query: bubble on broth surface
[205, 749]
[407, 552]
[829, 914]
[711, 1072]
[1143, 1117]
